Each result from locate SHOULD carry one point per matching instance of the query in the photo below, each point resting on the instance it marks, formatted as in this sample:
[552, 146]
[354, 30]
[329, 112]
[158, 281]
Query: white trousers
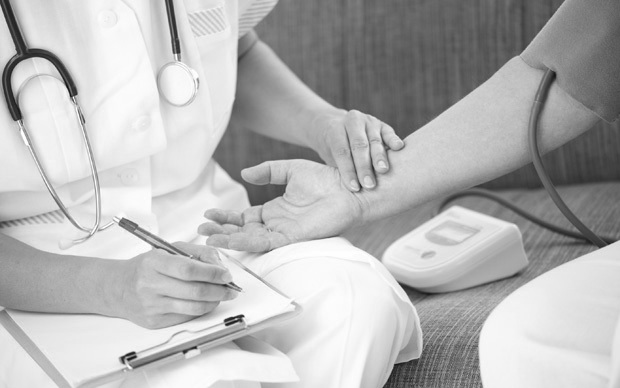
[560, 330]
[356, 320]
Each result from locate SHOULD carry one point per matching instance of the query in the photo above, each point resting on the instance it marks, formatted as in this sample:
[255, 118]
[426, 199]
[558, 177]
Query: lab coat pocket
[209, 23]
[213, 24]
[251, 12]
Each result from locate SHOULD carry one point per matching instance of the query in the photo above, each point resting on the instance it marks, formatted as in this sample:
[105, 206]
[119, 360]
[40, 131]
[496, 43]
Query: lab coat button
[130, 176]
[141, 124]
[107, 19]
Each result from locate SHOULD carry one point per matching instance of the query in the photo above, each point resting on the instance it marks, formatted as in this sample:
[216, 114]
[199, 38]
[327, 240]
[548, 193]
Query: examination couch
[405, 61]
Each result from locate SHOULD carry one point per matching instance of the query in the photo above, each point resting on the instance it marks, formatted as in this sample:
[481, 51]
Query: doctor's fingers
[188, 307]
[184, 268]
[160, 321]
[341, 148]
[390, 138]
[364, 134]
[193, 291]
[174, 311]
[381, 136]
[200, 252]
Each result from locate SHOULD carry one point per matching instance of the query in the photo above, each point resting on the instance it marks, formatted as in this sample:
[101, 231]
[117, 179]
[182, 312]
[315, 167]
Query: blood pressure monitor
[457, 249]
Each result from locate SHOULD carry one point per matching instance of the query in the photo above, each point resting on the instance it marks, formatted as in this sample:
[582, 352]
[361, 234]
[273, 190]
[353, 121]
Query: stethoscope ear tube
[24, 53]
[7, 87]
[11, 22]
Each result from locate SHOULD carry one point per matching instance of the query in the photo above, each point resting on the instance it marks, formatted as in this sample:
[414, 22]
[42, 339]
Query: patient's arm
[481, 137]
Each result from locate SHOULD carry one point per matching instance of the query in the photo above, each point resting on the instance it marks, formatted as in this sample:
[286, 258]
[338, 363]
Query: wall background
[405, 61]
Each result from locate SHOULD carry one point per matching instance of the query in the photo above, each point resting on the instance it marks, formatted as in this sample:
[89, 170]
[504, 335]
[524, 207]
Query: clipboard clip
[186, 343]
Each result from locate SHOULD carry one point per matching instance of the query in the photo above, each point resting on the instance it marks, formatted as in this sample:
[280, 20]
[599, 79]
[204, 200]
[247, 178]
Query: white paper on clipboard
[79, 350]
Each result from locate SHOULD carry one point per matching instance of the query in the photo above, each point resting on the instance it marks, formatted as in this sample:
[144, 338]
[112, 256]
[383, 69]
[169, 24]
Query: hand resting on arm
[272, 101]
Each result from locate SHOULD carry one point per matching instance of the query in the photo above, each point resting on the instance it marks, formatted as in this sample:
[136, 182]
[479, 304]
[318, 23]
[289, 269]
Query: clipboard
[185, 341]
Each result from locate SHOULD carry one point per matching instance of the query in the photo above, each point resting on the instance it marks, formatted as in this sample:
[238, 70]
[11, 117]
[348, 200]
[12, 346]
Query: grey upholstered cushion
[451, 322]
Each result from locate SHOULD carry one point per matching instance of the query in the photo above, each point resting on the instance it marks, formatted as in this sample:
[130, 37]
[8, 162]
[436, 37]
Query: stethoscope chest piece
[178, 83]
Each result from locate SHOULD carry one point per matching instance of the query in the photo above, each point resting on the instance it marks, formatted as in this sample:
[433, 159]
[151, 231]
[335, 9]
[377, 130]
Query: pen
[160, 243]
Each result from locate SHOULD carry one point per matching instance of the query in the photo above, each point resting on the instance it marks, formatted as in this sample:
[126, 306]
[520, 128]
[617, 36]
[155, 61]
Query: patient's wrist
[371, 208]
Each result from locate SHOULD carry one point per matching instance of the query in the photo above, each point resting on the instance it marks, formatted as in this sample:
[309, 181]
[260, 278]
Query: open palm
[315, 205]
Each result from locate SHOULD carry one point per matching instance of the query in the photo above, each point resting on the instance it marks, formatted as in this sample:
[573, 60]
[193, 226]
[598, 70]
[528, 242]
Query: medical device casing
[457, 249]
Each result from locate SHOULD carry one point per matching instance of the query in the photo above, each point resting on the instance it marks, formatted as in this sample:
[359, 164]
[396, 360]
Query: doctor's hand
[157, 289]
[355, 143]
[315, 205]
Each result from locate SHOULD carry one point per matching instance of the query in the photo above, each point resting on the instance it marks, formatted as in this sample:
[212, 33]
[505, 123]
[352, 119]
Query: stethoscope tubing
[7, 74]
[174, 33]
[11, 22]
[25, 53]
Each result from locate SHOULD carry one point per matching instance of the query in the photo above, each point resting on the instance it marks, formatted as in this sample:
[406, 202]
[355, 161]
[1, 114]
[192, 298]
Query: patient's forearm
[481, 137]
[34, 280]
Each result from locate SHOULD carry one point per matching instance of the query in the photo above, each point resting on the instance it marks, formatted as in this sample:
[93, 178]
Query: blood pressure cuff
[581, 43]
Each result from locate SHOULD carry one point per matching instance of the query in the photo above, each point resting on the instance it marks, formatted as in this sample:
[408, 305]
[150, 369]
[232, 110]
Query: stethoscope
[177, 84]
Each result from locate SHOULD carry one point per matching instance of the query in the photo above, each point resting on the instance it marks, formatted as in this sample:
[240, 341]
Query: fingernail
[382, 165]
[354, 185]
[227, 277]
[368, 182]
[397, 143]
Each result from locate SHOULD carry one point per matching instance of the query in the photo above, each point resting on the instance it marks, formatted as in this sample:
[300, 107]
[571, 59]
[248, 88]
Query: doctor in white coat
[155, 166]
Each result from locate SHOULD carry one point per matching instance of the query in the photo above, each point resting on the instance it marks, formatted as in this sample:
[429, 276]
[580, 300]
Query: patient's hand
[355, 143]
[315, 205]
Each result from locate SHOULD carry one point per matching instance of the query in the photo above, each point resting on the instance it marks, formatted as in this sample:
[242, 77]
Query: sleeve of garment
[252, 12]
[581, 43]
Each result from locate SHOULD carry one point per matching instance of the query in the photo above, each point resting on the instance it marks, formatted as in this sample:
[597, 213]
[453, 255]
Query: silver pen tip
[116, 219]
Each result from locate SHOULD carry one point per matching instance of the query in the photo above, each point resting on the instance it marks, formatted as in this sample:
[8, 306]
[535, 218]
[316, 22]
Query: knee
[338, 293]
[507, 341]
[501, 334]
[500, 330]
[373, 300]
[351, 288]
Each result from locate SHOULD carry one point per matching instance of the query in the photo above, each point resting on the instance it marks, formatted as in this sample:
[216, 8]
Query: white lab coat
[155, 166]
